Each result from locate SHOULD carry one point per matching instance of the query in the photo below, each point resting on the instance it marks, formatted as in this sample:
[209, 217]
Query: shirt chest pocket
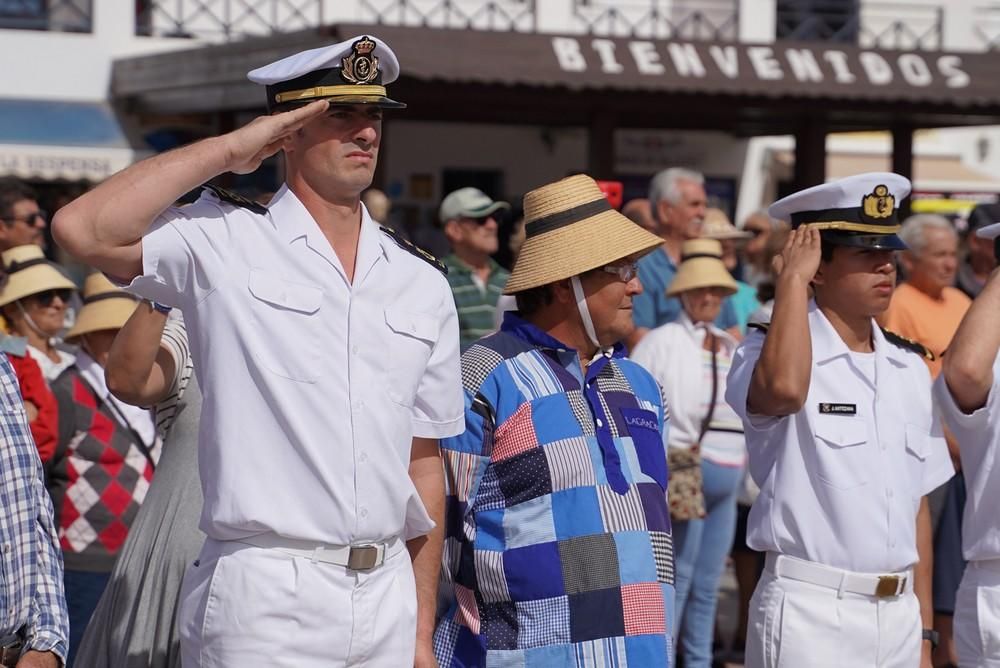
[650, 452]
[410, 337]
[842, 455]
[287, 328]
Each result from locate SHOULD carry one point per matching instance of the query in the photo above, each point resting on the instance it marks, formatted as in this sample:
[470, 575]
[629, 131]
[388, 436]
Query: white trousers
[795, 624]
[977, 616]
[250, 607]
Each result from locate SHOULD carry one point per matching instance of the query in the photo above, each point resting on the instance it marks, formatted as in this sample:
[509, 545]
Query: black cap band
[567, 217]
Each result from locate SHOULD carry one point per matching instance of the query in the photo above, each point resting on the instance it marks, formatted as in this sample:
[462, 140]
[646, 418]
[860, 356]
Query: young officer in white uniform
[842, 442]
[968, 394]
[328, 354]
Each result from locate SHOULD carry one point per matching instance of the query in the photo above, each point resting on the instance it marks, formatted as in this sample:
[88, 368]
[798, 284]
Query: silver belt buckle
[362, 557]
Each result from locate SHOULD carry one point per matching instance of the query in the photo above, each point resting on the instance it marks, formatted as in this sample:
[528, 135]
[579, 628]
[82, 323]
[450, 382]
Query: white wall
[74, 67]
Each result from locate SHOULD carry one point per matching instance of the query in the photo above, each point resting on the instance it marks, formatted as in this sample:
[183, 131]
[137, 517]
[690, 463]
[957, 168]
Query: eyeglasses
[625, 272]
[45, 298]
[30, 219]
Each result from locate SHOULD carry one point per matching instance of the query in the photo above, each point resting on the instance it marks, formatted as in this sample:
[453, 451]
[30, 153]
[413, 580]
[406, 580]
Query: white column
[757, 21]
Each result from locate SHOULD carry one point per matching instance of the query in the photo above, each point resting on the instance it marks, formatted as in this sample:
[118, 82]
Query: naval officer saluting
[843, 442]
[328, 354]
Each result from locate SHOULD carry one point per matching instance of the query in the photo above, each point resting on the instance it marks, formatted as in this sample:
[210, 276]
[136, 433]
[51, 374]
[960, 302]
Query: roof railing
[693, 20]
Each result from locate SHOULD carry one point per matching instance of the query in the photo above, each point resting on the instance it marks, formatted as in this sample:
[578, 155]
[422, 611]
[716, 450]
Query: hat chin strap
[581, 306]
[31, 323]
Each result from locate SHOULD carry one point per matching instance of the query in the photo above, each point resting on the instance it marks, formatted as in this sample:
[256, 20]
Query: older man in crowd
[678, 201]
[468, 218]
[559, 546]
[926, 307]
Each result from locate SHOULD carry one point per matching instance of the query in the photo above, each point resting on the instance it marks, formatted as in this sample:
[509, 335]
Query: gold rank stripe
[328, 91]
[855, 227]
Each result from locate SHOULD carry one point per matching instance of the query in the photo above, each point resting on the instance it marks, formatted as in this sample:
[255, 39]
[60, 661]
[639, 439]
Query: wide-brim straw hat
[28, 273]
[701, 267]
[570, 227]
[716, 225]
[105, 306]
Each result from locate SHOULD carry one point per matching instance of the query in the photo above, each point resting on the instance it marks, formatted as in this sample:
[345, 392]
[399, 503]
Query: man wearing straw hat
[843, 442]
[559, 548]
[328, 353]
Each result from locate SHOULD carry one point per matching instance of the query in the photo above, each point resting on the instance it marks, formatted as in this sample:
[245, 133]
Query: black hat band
[567, 217]
[849, 215]
[110, 295]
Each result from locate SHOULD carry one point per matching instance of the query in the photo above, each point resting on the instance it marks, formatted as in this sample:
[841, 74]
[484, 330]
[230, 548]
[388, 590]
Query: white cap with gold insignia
[858, 210]
[354, 71]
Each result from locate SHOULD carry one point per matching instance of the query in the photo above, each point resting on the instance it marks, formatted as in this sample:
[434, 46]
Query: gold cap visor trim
[855, 227]
[329, 91]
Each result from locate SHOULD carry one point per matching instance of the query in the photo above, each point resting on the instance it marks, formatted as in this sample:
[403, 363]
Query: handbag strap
[715, 386]
[123, 421]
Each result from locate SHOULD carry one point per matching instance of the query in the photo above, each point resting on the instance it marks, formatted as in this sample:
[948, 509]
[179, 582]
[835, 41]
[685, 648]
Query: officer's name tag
[838, 409]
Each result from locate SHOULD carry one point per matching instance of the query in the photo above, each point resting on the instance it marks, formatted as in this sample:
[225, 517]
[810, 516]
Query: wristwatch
[161, 308]
[933, 636]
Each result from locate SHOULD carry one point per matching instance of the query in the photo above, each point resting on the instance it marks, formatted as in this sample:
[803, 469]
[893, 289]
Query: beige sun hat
[28, 273]
[105, 306]
[701, 267]
[716, 225]
[570, 227]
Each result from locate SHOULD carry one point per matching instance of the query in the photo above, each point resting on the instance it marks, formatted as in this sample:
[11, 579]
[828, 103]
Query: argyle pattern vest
[98, 476]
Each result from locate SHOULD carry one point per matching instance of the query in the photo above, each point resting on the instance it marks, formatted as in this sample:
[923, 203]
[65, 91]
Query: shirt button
[889, 492]
[358, 405]
[363, 457]
[599, 423]
[354, 349]
[364, 512]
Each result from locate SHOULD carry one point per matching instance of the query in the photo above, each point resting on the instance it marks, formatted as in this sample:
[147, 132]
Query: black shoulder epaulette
[409, 247]
[759, 326]
[236, 200]
[909, 344]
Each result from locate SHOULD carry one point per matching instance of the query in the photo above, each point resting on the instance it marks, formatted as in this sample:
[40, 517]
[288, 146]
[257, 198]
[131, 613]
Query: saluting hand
[247, 147]
[801, 255]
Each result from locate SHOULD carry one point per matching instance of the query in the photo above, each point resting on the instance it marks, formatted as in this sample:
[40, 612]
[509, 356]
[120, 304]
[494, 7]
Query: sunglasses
[45, 298]
[625, 272]
[30, 219]
[481, 220]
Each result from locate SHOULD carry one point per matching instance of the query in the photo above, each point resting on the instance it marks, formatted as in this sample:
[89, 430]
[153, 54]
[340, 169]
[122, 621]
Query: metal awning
[54, 140]
[746, 88]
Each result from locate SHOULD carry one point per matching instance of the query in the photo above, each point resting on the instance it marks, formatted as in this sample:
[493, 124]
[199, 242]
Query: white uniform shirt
[841, 480]
[313, 387]
[978, 436]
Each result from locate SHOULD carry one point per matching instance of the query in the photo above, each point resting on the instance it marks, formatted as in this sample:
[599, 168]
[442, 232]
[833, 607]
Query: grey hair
[664, 186]
[912, 232]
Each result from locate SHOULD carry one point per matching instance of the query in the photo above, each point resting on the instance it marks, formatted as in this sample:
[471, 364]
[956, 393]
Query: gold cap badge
[360, 67]
[879, 203]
